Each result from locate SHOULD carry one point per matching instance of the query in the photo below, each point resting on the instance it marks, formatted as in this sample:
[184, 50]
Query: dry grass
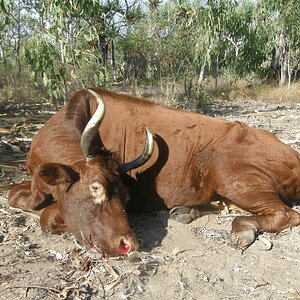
[234, 90]
[168, 93]
[194, 261]
[171, 93]
[280, 94]
[20, 90]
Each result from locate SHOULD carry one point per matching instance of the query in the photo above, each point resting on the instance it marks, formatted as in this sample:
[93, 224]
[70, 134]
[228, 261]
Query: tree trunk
[113, 60]
[283, 60]
[217, 70]
[2, 55]
[63, 61]
[202, 69]
[279, 63]
[18, 41]
[201, 73]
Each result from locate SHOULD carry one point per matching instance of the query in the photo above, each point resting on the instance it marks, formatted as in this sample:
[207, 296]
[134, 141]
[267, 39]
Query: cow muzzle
[127, 244]
[122, 245]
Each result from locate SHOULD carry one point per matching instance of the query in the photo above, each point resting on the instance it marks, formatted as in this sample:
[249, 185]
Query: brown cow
[198, 159]
[75, 183]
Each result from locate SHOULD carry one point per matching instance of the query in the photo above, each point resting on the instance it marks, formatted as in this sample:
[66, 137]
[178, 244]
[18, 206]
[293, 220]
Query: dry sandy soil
[176, 261]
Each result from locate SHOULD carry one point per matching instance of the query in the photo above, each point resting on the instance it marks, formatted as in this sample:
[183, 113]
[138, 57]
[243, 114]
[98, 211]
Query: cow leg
[186, 215]
[21, 197]
[51, 219]
[181, 214]
[272, 216]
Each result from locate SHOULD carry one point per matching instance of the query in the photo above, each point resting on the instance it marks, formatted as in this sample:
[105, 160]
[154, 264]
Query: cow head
[92, 201]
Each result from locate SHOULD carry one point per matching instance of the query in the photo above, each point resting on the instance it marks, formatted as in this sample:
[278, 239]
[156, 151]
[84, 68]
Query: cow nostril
[125, 245]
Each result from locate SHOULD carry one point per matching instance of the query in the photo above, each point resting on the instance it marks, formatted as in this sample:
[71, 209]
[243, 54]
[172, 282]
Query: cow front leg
[18, 195]
[51, 219]
[21, 196]
[273, 219]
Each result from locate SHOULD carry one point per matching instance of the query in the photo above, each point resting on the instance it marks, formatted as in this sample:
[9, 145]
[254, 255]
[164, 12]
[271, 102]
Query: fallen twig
[291, 259]
[7, 166]
[6, 187]
[31, 287]
[14, 162]
[20, 210]
[228, 216]
[4, 130]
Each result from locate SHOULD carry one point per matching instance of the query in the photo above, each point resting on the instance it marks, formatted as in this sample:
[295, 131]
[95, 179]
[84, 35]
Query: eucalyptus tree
[284, 18]
[76, 37]
[5, 25]
[15, 26]
[92, 42]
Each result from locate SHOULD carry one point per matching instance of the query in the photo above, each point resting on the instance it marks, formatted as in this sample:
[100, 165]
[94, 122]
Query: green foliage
[44, 61]
[5, 8]
[195, 96]
[79, 42]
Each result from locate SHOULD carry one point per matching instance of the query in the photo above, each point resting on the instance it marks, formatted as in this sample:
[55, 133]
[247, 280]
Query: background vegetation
[205, 47]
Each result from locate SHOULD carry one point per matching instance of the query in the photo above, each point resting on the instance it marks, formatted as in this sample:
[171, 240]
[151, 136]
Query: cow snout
[127, 244]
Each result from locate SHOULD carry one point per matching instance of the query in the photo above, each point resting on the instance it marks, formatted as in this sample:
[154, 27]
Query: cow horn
[92, 127]
[144, 157]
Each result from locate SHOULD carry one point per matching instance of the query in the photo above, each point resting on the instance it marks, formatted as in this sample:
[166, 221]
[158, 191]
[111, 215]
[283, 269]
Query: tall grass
[14, 88]
[236, 90]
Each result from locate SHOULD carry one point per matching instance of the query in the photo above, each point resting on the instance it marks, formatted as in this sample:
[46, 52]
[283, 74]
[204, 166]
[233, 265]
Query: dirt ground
[176, 261]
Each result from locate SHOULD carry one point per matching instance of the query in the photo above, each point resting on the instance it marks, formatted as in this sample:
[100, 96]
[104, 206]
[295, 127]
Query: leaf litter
[176, 261]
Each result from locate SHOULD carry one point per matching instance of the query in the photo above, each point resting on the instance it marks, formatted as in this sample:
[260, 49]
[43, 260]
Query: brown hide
[198, 159]
[72, 193]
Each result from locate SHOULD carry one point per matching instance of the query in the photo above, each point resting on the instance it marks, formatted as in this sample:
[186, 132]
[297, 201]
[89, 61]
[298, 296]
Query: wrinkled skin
[199, 159]
[196, 160]
[76, 187]
[100, 225]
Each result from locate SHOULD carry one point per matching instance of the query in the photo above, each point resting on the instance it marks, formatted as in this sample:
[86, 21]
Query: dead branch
[31, 287]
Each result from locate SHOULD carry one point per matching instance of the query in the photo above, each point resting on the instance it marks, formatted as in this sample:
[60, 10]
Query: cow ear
[55, 174]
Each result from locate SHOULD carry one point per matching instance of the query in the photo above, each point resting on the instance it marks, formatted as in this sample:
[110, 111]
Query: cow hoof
[243, 239]
[178, 210]
[181, 214]
[183, 218]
